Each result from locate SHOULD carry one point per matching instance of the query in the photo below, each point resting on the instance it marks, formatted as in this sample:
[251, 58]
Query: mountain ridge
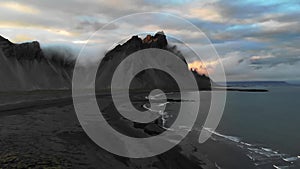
[27, 50]
[143, 80]
[30, 69]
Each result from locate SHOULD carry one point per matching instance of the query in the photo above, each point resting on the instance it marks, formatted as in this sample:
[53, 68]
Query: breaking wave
[260, 155]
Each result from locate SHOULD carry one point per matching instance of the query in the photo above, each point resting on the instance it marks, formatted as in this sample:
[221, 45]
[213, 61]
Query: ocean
[258, 130]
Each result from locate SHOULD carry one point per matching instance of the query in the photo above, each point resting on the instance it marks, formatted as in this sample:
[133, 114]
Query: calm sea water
[264, 127]
[272, 118]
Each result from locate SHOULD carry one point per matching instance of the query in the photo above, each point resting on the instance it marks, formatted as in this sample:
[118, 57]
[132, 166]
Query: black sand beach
[45, 133]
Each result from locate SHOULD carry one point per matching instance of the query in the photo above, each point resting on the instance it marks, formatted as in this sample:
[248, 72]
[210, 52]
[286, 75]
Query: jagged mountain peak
[158, 40]
[4, 43]
[27, 50]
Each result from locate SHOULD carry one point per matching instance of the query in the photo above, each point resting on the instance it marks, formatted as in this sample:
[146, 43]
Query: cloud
[206, 14]
[17, 7]
[254, 38]
[22, 38]
[238, 68]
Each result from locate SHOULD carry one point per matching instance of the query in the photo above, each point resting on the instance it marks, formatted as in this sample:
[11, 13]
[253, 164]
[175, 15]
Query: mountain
[147, 79]
[257, 83]
[24, 51]
[26, 67]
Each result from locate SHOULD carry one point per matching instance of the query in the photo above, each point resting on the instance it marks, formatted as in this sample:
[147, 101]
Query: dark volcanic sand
[41, 134]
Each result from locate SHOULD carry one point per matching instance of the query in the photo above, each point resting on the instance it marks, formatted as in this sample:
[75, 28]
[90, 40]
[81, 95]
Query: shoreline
[66, 96]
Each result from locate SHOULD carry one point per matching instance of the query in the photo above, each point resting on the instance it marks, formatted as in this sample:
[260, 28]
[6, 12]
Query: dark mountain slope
[147, 79]
[25, 67]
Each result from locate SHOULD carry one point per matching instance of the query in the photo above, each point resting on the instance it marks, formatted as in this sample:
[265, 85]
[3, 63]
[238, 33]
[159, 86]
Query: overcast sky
[256, 40]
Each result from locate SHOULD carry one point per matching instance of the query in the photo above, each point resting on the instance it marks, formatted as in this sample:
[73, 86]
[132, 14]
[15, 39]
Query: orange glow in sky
[199, 66]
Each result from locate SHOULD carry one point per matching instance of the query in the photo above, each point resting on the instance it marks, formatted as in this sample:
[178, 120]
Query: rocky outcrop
[203, 82]
[157, 41]
[26, 51]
